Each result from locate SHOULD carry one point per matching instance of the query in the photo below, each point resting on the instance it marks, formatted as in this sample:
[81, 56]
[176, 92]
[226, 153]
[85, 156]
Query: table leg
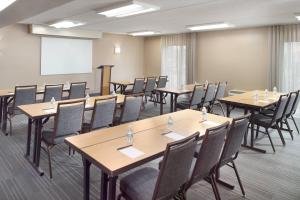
[161, 102]
[86, 178]
[171, 103]
[115, 88]
[104, 180]
[112, 184]
[4, 117]
[175, 102]
[1, 109]
[37, 146]
[28, 137]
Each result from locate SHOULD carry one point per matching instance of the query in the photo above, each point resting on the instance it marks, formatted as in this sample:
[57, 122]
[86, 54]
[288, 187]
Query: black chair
[161, 83]
[130, 110]
[53, 91]
[23, 95]
[149, 88]
[163, 184]
[195, 100]
[220, 93]
[103, 114]
[232, 146]
[138, 86]
[209, 96]
[77, 90]
[207, 158]
[67, 122]
[294, 109]
[262, 120]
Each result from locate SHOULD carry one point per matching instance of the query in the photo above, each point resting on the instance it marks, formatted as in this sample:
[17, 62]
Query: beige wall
[238, 56]
[20, 58]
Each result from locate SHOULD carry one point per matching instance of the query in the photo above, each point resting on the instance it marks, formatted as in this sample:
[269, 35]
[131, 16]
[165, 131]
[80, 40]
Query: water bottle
[52, 102]
[256, 95]
[170, 123]
[266, 94]
[113, 93]
[87, 97]
[275, 90]
[204, 114]
[130, 136]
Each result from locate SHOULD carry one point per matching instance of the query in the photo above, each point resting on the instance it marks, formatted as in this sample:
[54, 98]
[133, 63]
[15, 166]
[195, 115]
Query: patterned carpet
[265, 176]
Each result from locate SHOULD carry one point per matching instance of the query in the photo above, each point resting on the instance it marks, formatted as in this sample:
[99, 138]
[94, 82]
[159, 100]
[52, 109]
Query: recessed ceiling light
[210, 26]
[142, 33]
[127, 9]
[66, 24]
[5, 3]
[298, 17]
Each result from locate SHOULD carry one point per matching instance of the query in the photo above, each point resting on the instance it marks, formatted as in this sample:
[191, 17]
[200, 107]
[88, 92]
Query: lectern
[105, 79]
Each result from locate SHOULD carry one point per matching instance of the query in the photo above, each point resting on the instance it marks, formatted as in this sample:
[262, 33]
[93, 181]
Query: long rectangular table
[174, 93]
[248, 102]
[6, 96]
[102, 147]
[37, 113]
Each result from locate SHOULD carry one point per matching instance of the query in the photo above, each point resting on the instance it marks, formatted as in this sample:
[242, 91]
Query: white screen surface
[65, 56]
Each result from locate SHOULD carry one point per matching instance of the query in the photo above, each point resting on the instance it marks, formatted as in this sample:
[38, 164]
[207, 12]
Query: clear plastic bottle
[170, 123]
[52, 101]
[204, 114]
[87, 97]
[130, 136]
[266, 94]
[274, 90]
[256, 95]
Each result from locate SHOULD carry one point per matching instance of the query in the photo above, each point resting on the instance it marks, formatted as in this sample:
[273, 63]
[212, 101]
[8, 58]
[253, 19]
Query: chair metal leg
[270, 140]
[238, 178]
[10, 126]
[120, 196]
[215, 187]
[280, 134]
[257, 131]
[295, 123]
[289, 129]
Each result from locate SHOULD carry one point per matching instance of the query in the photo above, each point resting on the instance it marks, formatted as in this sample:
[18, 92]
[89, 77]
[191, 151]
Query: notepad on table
[50, 110]
[131, 152]
[210, 123]
[174, 136]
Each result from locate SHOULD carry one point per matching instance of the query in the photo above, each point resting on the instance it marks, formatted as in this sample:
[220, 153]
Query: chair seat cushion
[184, 104]
[267, 112]
[13, 111]
[48, 134]
[261, 120]
[140, 184]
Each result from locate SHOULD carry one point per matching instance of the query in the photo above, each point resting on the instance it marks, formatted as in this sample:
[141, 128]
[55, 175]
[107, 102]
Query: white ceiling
[174, 15]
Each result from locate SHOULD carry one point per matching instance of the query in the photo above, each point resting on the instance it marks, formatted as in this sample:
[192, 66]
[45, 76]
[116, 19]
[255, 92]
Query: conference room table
[37, 113]
[174, 93]
[6, 95]
[249, 103]
[109, 150]
[122, 85]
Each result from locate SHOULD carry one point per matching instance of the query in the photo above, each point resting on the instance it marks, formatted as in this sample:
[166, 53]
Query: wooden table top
[185, 90]
[248, 99]
[40, 90]
[40, 110]
[102, 147]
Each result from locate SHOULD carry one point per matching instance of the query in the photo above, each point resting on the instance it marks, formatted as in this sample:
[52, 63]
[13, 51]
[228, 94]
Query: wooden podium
[105, 79]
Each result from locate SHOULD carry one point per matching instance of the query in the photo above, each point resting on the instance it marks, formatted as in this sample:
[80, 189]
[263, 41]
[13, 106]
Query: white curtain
[178, 59]
[285, 58]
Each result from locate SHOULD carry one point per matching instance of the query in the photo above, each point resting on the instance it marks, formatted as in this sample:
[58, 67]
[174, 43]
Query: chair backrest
[131, 108]
[150, 85]
[197, 95]
[234, 139]
[210, 151]
[296, 103]
[289, 106]
[175, 167]
[53, 91]
[77, 90]
[162, 81]
[220, 93]
[68, 119]
[210, 93]
[24, 95]
[138, 86]
[104, 112]
[280, 107]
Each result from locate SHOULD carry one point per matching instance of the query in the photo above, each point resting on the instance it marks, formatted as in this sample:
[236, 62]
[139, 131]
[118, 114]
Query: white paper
[131, 152]
[264, 101]
[50, 110]
[174, 136]
[210, 123]
[11, 93]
